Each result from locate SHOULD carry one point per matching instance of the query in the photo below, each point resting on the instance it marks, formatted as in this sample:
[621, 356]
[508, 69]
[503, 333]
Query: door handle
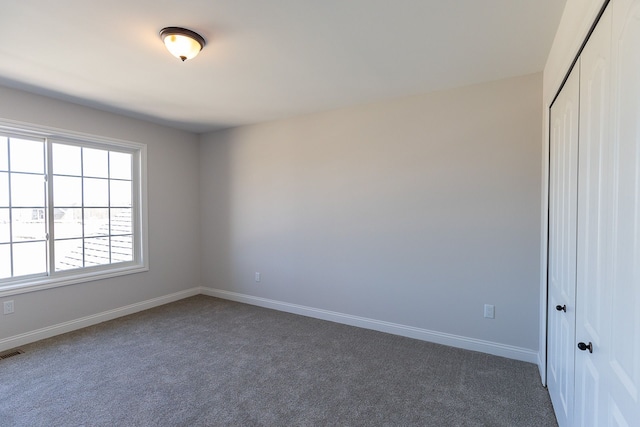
[582, 346]
[561, 308]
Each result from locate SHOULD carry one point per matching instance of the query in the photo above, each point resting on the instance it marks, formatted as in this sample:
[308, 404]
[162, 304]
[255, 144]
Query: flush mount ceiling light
[182, 43]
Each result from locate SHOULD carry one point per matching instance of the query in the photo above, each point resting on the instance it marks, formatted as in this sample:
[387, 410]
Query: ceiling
[265, 60]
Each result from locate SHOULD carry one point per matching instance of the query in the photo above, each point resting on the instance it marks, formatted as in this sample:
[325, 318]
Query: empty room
[313, 213]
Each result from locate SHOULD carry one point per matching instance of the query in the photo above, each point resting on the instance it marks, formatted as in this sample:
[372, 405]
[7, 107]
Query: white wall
[576, 21]
[415, 211]
[173, 223]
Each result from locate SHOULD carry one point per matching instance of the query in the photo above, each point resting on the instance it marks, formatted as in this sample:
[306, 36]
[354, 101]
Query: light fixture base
[182, 43]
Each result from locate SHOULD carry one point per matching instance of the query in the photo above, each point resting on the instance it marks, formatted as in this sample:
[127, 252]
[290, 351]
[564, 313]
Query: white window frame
[140, 263]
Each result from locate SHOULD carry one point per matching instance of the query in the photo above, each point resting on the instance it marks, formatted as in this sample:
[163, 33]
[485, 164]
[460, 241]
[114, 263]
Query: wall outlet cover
[489, 311]
[8, 307]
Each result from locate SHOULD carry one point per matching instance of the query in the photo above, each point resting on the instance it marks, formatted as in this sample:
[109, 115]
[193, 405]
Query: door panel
[623, 353]
[593, 298]
[588, 386]
[562, 247]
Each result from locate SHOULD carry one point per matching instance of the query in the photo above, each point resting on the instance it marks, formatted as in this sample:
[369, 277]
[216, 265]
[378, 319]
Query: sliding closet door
[563, 178]
[593, 296]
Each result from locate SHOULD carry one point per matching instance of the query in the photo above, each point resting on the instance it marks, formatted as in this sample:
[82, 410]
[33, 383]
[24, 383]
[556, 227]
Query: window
[71, 209]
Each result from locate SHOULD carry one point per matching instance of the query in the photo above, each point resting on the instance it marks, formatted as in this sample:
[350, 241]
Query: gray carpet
[204, 361]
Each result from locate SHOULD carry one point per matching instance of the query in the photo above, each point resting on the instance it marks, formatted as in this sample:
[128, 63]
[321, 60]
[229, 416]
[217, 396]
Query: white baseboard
[497, 349]
[83, 322]
[483, 346]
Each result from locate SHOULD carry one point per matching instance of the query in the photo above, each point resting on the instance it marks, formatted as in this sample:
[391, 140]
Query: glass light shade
[182, 43]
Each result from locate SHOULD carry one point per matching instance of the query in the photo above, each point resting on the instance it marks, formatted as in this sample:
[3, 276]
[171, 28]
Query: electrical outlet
[257, 276]
[489, 311]
[8, 307]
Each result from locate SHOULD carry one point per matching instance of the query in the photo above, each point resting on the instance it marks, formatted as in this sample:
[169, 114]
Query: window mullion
[109, 204]
[50, 226]
[82, 211]
[136, 205]
[10, 207]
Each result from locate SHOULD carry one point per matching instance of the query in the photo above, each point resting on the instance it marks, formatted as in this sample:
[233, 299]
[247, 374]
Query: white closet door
[562, 247]
[622, 350]
[593, 297]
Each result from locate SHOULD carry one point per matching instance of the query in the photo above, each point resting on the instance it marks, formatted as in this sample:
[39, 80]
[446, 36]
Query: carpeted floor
[204, 361]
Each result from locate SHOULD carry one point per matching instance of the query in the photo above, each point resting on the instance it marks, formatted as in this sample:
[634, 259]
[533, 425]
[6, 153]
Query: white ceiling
[265, 59]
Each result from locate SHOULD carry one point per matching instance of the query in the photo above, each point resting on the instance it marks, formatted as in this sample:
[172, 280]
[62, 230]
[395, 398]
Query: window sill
[41, 283]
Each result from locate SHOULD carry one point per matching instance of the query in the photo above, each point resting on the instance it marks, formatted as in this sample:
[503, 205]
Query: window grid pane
[27, 190]
[5, 225]
[66, 160]
[96, 251]
[5, 261]
[26, 155]
[29, 258]
[95, 163]
[4, 153]
[122, 248]
[69, 254]
[67, 222]
[96, 192]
